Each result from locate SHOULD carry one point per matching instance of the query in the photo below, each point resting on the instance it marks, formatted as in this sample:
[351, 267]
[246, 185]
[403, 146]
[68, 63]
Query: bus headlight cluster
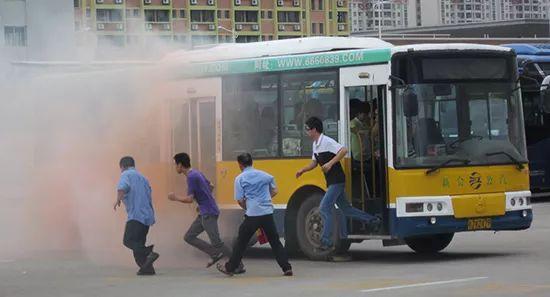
[426, 206]
[518, 200]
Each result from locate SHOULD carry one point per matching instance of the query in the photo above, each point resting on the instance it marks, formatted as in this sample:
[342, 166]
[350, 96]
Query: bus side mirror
[410, 104]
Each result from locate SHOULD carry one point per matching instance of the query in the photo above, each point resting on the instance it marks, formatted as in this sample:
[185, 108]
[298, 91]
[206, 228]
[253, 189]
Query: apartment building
[447, 12]
[366, 14]
[195, 22]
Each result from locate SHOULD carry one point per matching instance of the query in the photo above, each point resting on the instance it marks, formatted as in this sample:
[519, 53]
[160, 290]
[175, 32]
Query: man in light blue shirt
[135, 192]
[253, 191]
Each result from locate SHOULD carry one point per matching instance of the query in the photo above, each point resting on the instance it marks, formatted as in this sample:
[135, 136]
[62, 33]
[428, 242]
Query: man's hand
[299, 173]
[172, 196]
[326, 168]
[117, 204]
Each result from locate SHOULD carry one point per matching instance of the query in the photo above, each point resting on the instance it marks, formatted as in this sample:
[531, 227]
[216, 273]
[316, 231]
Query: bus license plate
[479, 224]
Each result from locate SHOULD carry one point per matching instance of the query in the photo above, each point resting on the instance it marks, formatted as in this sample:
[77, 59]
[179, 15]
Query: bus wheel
[429, 244]
[309, 226]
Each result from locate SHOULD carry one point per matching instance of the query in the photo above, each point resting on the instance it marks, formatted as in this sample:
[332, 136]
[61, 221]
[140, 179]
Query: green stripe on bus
[286, 63]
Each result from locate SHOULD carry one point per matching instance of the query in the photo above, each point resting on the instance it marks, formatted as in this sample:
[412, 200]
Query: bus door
[363, 90]
[203, 131]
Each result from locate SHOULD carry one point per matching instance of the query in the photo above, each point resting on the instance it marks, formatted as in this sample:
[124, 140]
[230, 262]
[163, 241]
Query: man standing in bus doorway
[254, 190]
[134, 190]
[327, 153]
[199, 189]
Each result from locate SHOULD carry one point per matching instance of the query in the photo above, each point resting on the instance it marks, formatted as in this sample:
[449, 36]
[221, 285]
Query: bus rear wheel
[309, 227]
[429, 244]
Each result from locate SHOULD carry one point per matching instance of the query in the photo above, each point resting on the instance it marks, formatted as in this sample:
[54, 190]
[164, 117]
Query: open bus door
[363, 89]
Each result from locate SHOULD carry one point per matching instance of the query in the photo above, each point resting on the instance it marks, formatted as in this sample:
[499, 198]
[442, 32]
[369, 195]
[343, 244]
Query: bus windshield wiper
[447, 162]
[518, 164]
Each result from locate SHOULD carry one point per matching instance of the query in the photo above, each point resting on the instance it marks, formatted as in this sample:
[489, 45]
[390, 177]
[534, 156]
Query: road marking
[460, 280]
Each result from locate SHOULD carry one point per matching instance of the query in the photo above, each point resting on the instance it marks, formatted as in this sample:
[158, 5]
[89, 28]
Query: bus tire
[309, 227]
[429, 244]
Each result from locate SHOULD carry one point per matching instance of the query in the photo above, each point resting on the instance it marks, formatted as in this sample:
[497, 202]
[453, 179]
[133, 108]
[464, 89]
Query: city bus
[533, 66]
[447, 134]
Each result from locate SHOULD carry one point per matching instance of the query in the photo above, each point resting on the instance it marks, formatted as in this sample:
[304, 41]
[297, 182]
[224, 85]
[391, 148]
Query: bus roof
[237, 51]
[449, 46]
[530, 49]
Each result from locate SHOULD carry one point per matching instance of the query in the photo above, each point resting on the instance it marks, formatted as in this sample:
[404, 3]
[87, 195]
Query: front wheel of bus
[309, 227]
[429, 244]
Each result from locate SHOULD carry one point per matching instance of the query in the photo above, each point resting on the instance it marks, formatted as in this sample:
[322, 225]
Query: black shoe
[222, 269]
[375, 224]
[214, 260]
[239, 270]
[151, 258]
[146, 272]
[288, 272]
[324, 249]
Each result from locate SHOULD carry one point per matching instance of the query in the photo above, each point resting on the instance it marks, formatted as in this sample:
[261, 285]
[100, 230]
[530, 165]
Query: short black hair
[127, 162]
[183, 159]
[315, 123]
[245, 159]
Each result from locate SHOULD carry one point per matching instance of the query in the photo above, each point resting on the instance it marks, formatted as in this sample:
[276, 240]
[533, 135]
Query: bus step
[393, 242]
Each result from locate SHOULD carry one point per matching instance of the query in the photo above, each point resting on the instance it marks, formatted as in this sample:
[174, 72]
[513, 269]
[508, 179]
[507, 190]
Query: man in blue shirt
[134, 190]
[199, 189]
[253, 191]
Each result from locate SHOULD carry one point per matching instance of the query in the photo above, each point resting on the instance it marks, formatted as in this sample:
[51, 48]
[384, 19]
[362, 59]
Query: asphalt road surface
[475, 264]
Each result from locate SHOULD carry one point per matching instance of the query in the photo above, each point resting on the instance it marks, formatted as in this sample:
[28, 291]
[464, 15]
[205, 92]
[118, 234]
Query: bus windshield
[479, 122]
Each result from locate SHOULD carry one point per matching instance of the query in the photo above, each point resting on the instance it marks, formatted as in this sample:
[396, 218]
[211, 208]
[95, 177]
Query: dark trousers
[135, 235]
[208, 224]
[246, 230]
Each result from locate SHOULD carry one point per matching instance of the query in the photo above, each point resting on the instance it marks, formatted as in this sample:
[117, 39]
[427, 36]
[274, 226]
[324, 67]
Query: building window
[288, 16]
[174, 14]
[226, 14]
[136, 12]
[320, 6]
[262, 14]
[15, 36]
[109, 15]
[202, 16]
[76, 3]
[313, 4]
[157, 15]
[269, 14]
[313, 28]
[321, 28]
[182, 14]
[245, 16]
[343, 17]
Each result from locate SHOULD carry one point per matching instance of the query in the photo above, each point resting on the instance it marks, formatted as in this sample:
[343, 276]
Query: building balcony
[253, 3]
[203, 26]
[158, 26]
[289, 3]
[108, 2]
[247, 27]
[289, 27]
[110, 26]
[202, 3]
[156, 3]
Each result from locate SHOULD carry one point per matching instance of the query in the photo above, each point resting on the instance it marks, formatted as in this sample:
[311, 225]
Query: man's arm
[309, 167]
[119, 198]
[273, 192]
[182, 199]
[339, 156]
[242, 203]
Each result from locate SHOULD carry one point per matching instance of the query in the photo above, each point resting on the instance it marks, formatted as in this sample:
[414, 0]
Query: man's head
[244, 160]
[126, 162]
[314, 127]
[183, 163]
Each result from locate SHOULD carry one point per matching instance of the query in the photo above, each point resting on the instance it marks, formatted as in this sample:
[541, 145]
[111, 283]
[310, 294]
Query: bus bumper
[402, 227]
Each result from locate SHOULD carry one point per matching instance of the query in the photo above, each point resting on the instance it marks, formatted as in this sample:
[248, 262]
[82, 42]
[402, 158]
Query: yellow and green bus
[447, 142]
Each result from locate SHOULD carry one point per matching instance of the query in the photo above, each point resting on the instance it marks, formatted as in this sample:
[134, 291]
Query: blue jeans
[336, 195]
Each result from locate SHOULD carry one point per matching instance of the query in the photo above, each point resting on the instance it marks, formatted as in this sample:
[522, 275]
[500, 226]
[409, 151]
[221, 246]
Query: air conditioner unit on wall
[296, 3]
[146, 1]
[165, 2]
[255, 27]
[211, 27]
[254, 2]
[280, 2]
[297, 27]
[166, 27]
[193, 2]
[281, 27]
[149, 26]
[100, 26]
[99, 1]
[341, 27]
[340, 3]
[118, 1]
[238, 27]
[194, 27]
[120, 27]
[210, 2]
[237, 2]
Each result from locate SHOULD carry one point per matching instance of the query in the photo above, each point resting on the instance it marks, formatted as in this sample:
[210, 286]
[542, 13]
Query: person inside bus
[360, 145]
[327, 153]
